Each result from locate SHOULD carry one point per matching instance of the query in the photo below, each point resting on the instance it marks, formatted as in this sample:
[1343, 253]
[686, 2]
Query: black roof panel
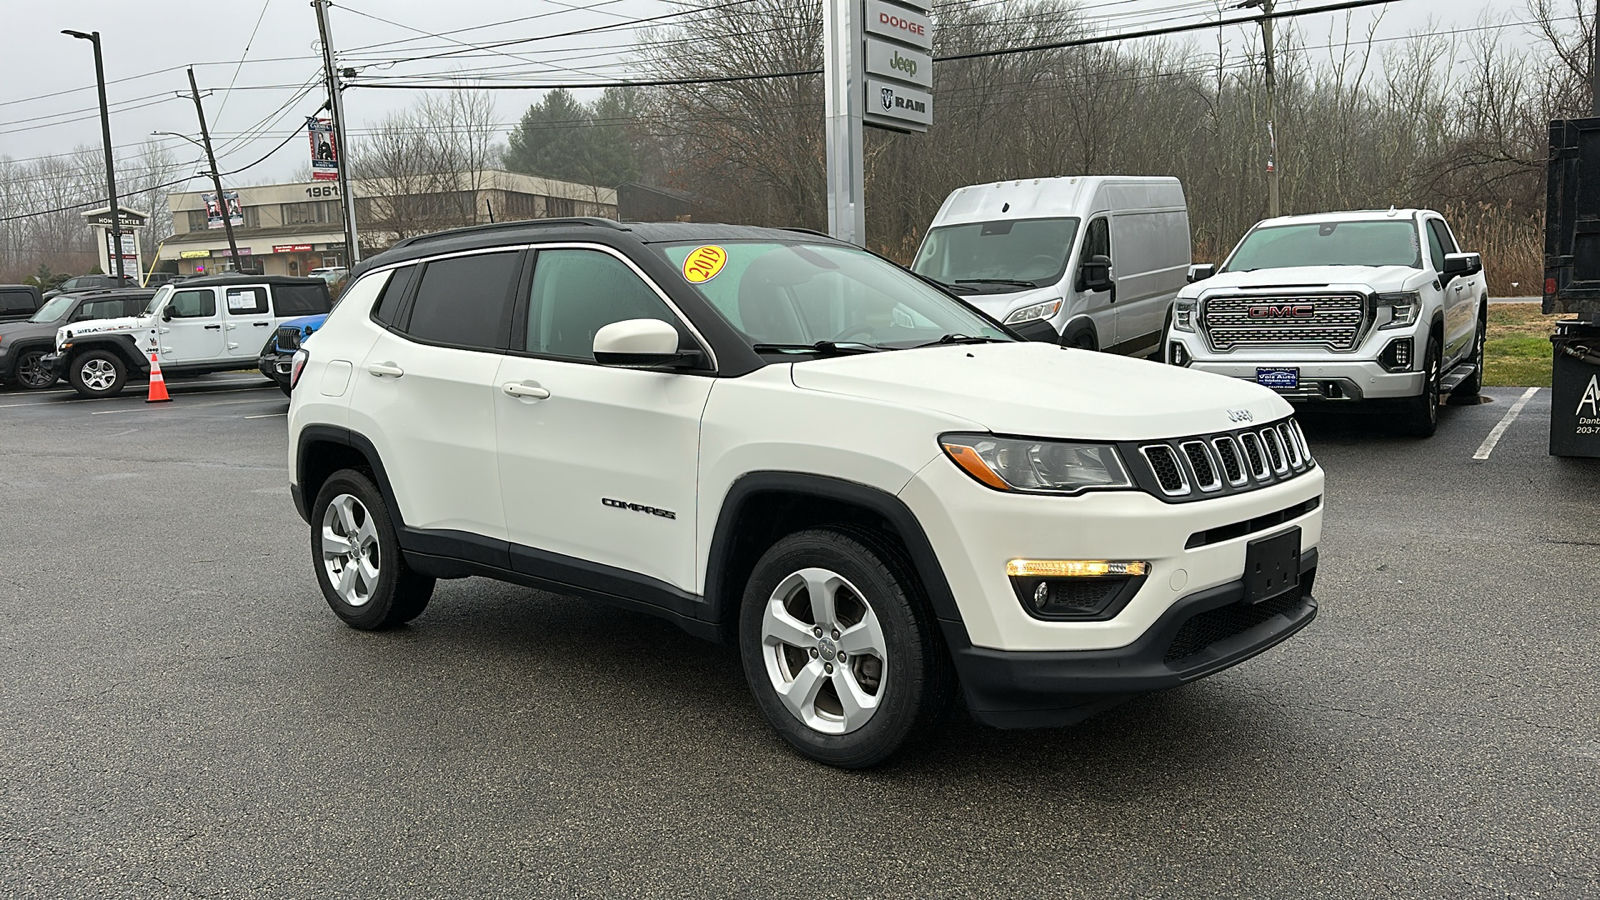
[225, 280]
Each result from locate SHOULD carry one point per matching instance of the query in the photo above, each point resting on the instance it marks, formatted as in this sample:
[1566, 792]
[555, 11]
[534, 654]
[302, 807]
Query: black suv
[23, 344]
[79, 283]
[18, 301]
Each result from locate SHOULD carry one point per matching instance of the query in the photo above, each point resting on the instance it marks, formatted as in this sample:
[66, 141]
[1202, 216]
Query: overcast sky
[141, 39]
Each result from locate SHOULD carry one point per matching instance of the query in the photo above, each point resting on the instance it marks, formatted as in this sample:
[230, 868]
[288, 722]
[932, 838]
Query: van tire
[1080, 337]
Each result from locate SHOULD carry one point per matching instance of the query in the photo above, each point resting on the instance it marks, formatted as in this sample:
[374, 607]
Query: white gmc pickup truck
[1348, 306]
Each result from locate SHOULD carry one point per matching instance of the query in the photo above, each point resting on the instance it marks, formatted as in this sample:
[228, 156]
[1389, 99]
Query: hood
[1378, 278]
[100, 326]
[998, 306]
[1041, 390]
[303, 323]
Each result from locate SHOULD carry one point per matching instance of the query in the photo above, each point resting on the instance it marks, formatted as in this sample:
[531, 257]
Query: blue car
[279, 350]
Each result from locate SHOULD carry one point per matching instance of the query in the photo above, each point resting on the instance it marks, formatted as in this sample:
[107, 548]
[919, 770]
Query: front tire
[355, 551]
[840, 649]
[1420, 416]
[30, 374]
[97, 373]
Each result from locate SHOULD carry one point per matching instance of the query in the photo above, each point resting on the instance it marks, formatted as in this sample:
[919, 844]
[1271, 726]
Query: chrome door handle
[382, 369]
[532, 392]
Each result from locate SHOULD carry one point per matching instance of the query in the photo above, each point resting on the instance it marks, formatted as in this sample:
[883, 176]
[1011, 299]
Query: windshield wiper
[944, 286]
[1012, 281]
[963, 339]
[825, 348]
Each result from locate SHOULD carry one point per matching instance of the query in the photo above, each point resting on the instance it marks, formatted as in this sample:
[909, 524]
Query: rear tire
[840, 648]
[1420, 415]
[355, 551]
[97, 373]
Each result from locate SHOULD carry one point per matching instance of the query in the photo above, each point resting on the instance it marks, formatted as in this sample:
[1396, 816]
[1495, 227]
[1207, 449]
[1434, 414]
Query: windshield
[53, 309]
[989, 254]
[1368, 243]
[162, 293]
[802, 293]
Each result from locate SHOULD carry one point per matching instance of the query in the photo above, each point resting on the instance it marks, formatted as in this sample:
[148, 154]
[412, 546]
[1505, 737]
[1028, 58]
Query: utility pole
[1272, 100]
[341, 148]
[105, 135]
[1594, 63]
[216, 177]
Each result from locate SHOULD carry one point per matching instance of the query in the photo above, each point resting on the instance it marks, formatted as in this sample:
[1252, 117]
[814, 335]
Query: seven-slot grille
[1334, 321]
[1229, 462]
[288, 339]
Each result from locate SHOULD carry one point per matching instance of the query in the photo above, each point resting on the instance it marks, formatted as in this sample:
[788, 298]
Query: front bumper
[1201, 634]
[53, 364]
[1323, 376]
[276, 366]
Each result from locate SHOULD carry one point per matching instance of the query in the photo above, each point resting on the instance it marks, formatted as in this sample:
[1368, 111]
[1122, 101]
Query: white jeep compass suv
[781, 441]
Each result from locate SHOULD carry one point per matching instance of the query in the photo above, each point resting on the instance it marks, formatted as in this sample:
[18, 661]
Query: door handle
[382, 369]
[213, 327]
[530, 391]
[261, 324]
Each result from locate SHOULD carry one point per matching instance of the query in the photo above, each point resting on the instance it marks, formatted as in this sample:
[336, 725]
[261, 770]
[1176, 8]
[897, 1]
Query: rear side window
[388, 309]
[193, 304]
[244, 301]
[293, 300]
[100, 309]
[16, 301]
[462, 301]
[133, 306]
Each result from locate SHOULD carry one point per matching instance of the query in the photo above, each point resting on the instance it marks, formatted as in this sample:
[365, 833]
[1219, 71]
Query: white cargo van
[1092, 262]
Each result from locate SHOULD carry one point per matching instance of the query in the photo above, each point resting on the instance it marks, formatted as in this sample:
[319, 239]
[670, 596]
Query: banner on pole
[214, 209]
[324, 151]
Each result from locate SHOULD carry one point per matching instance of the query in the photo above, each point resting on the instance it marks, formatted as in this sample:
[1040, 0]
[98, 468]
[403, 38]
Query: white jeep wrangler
[784, 442]
[1348, 306]
[214, 324]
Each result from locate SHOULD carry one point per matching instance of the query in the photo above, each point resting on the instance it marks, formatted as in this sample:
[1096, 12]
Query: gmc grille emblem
[1283, 311]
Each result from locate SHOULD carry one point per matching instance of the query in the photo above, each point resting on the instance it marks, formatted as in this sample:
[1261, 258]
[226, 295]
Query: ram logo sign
[1282, 311]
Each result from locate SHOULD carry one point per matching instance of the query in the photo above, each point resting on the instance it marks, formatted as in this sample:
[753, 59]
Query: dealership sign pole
[878, 69]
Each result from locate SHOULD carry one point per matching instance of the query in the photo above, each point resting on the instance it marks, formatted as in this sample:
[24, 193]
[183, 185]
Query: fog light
[1397, 356]
[1177, 355]
[1074, 568]
[1041, 595]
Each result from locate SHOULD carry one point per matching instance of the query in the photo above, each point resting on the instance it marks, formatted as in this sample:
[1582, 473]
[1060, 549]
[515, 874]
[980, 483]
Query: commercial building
[290, 229]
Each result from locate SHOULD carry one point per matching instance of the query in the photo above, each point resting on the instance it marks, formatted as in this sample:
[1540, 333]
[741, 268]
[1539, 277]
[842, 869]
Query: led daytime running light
[1075, 568]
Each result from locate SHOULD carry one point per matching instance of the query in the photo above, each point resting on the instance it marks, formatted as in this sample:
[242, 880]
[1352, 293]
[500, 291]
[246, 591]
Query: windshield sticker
[703, 263]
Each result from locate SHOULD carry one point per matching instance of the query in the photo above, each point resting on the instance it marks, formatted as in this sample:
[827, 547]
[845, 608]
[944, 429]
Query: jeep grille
[1227, 462]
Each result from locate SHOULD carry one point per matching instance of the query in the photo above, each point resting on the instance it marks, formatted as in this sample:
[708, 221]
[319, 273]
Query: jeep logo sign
[899, 63]
[1282, 311]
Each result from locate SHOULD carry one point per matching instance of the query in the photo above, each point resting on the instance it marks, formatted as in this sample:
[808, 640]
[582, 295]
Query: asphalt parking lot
[181, 715]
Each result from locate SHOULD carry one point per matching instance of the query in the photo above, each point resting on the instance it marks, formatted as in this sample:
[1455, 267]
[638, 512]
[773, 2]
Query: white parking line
[268, 416]
[1487, 447]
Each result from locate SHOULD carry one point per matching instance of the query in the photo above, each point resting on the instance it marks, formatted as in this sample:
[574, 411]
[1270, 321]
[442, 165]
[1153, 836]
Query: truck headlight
[1035, 312]
[1040, 467]
[1183, 314]
[1402, 306]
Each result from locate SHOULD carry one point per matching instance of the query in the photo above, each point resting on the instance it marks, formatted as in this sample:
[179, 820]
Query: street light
[105, 133]
[183, 136]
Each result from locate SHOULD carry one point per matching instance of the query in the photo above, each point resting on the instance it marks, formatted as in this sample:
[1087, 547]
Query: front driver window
[193, 304]
[578, 292]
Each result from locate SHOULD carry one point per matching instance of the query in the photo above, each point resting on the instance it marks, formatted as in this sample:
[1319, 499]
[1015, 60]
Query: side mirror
[1462, 264]
[1094, 274]
[641, 344]
[1201, 272]
[166, 313]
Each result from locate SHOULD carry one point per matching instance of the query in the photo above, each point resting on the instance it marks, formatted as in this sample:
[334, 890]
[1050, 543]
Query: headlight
[1402, 306]
[1183, 314]
[1043, 467]
[1037, 311]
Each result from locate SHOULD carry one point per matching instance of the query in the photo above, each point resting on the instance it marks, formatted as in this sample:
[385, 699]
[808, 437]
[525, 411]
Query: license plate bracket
[1279, 378]
[1271, 566]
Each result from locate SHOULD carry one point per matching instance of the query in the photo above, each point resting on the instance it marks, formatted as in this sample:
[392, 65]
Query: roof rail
[594, 221]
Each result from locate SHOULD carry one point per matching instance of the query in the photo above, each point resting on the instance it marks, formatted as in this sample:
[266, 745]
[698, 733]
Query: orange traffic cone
[158, 385]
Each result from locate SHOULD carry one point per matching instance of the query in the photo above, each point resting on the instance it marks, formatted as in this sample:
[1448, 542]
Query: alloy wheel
[350, 551]
[98, 374]
[31, 371]
[825, 651]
